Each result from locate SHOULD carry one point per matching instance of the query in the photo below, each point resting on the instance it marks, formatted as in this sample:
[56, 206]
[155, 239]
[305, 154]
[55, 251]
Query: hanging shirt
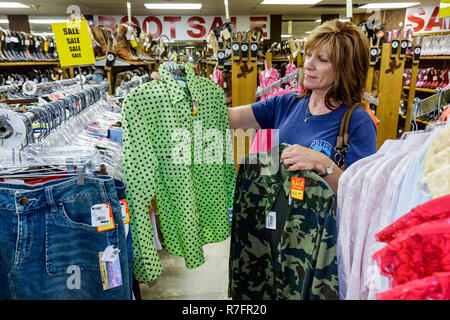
[296, 259]
[177, 147]
[319, 132]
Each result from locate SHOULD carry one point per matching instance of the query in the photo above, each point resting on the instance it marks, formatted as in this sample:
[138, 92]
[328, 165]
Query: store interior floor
[206, 282]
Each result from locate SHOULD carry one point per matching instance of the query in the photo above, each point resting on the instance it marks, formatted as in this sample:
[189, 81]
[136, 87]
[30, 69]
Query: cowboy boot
[95, 45]
[42, 49]
[99, 41]
[23, 46]
[123, 45]
[26, 47]
[3, 57]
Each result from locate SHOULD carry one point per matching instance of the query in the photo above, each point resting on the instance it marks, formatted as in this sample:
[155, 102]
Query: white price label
[271, 220]
[110, 254]
[100, 215]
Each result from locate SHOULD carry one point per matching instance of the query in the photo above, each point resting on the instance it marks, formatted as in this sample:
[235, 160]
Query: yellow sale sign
[73, 43]
[444, 9]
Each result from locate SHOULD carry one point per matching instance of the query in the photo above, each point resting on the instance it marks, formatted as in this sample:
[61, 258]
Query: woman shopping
[333, 78]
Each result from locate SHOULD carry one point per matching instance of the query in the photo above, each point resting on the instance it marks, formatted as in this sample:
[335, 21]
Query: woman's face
[319, 72]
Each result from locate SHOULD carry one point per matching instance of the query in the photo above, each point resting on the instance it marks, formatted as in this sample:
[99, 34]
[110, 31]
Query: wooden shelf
[29, 63]
[281, 60]
[435, 58]
[417, 120]
[431, 57]
[422, 89]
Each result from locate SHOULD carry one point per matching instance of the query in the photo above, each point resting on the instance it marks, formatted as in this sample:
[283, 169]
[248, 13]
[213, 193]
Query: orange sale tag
[125, 211]
[297, 188]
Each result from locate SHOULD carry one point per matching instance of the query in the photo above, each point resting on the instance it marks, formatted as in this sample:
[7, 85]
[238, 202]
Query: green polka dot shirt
[177, 147]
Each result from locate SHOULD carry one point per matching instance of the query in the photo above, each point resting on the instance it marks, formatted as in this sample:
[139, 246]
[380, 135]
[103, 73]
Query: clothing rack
[30, 87]
[16, 129]
[294, 75]
[432, 104]
[9, 88]
[370, 98]
[136, 81]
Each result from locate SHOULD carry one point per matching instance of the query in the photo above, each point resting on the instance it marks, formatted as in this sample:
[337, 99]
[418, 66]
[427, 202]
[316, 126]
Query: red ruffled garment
[416, 253]
[436, 209]
[435, 287]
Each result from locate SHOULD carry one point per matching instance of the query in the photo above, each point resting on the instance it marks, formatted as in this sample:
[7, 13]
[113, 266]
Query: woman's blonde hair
[348, 50]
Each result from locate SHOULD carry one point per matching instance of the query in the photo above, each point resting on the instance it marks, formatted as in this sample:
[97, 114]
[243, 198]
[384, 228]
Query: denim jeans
[48, 247]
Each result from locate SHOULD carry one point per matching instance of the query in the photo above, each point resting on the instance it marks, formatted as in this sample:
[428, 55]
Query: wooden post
[390, 89]
[244, 84]
[244, 81]
[269, 59]
[372, 63]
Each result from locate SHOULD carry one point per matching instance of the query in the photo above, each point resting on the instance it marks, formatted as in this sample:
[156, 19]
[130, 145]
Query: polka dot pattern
[193, 196]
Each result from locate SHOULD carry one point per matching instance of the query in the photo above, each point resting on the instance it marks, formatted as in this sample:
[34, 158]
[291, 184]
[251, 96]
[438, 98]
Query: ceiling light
[307, 32]
[287, 2]
[286, 35]
[318, 20]
[173, 6]
[47, 21]
[15, 5]
[388, 5]
[4, 21]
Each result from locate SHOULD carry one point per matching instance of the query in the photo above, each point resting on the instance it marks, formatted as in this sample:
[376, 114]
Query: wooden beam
[390, 89]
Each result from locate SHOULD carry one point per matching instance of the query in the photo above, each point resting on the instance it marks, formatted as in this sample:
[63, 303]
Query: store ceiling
[303, 16]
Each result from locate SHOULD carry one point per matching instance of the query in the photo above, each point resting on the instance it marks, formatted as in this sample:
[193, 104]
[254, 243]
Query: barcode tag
[100, 215]
[271, 220]
[110, 254]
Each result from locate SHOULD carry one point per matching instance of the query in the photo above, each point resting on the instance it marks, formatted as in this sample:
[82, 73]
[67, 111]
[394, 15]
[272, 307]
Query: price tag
[100, 214]
[236, 50]
[394, 47]
[244, 51]
[194, 108]
[373, 55]
[271, 220]
[221, 59]
[403, 47]
[125, 211]
[110, 254]
[297, 188]
[253, 51]
[111, 272]
[416, 57]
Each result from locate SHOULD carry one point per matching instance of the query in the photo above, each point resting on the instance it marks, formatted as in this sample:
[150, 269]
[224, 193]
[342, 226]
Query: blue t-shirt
[287, 113]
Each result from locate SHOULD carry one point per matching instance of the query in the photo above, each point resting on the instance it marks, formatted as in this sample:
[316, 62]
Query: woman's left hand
[296, 158]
